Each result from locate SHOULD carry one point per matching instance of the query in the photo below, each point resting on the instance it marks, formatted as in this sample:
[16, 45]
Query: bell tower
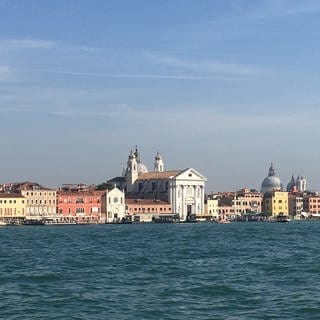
[158, 163]
[132, 171]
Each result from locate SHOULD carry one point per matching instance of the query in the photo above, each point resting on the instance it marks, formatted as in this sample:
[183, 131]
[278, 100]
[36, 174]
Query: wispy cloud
[156, 76]
[289, 7]
[27, 44]
[277, 9]
[265, 9]
[18, 44]
[207, 68]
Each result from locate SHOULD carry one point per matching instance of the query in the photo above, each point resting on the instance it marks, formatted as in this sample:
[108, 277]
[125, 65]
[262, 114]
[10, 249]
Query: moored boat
[32, 222]
[60, 223]
[282, 218]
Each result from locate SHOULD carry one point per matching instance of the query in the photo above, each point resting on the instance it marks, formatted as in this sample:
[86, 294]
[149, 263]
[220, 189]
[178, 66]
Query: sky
[223, 86]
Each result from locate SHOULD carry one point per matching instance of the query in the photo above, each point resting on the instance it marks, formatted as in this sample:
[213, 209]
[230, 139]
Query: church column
[202, 199]
[194, 207]
[182, 203]
[173, 196]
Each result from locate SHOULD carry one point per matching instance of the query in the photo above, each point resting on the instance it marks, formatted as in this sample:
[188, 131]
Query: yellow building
[275, 203]
[12, 206]
[212, 208]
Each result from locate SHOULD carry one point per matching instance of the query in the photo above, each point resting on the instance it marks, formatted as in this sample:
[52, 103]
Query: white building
[113, 205]
[183, 189]
[40, 202]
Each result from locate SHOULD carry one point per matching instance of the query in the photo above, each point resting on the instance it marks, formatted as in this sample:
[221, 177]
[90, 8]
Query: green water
[161, 271]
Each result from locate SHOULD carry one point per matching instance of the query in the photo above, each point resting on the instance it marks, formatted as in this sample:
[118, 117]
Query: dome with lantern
[271, 182]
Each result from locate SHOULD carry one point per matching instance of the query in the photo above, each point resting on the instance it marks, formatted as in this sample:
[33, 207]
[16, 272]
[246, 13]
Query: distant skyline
[224, 86]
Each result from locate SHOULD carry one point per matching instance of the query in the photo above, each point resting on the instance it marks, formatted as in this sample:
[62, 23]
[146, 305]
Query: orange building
[79, 205]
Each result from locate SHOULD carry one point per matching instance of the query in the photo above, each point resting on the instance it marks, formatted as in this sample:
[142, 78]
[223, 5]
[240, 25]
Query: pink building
[79, 205]
[225, 212]
[312, 204]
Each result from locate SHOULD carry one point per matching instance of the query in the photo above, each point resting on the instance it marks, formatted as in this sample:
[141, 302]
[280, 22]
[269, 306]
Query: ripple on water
[175, 271]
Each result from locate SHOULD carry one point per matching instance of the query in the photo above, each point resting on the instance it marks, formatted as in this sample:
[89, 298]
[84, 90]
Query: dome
[271, 182]
[142, 168]
[291, 185]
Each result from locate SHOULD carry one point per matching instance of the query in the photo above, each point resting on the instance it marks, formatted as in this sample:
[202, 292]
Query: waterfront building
[79, 204]
[212, 207]
[113, 206]
[12, 207]
[226, 212]
[311, 204]
[242, 202]
[271, 182]
[275, 203]
[182, 189]
[247, 201]
[40, 201]
[295, 204]
[145, 210]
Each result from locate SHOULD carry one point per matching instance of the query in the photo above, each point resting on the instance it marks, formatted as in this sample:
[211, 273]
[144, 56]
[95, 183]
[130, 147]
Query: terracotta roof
[146, 202]
[10, 195]
[81, 193]
[158, 175]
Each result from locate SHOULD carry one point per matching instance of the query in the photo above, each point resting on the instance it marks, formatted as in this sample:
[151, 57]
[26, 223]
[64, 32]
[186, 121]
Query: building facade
[40, 202]
[275, 203]
[247, 201]
[312, 204]
[183, 189]
[145, 210]
[79, 205]
[295, 204]
[12, 207]
[212, 208]
[113, 206]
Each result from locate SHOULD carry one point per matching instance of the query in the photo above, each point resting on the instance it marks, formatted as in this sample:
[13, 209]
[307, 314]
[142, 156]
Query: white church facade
[183, 189]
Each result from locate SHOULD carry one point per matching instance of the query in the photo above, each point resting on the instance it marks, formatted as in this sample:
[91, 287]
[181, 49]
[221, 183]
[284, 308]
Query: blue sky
[223, 86]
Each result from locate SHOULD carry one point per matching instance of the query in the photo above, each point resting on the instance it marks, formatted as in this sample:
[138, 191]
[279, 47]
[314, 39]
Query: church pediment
[190, 174]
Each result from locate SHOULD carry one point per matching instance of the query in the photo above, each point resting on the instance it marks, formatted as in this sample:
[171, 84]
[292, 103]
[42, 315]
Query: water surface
[161, 271]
